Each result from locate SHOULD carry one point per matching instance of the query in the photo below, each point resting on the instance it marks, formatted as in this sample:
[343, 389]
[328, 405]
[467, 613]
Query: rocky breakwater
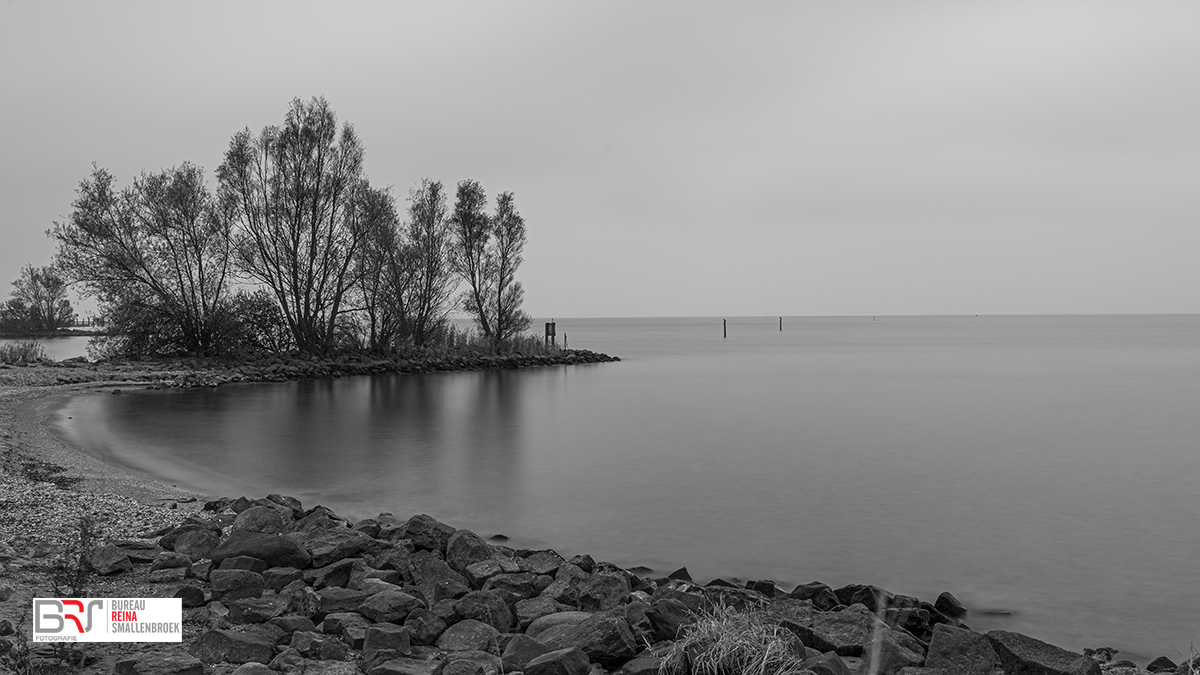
[270, 587]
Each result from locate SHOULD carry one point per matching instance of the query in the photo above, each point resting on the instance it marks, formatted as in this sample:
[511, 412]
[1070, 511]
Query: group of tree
[294, 250]
[38, 304]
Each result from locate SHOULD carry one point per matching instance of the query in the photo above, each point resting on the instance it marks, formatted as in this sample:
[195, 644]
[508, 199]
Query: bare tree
[299, 199]
[429, 254]
[373, 265]
[488, 251]
[39, 301]
[156, 255]
[472, 260]
[508, 232]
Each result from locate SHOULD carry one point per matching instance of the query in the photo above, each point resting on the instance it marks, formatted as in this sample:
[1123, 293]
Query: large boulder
[602, 591]
[389, 606]
[568, 661]
[520, 650]
[958, 650]
[893, 651]
[260, 519]
[216, 646]
[197, 544]
[541, 562]
[468, 635]
[330, 546]
[1022, 655]
[949, 605]
[533, 608]
[842, 632]
[230, 585]
[464, 548]
[548, 621]
[159, 663]
[488, 607]
[605, 639]
[523, 585]
[110, 559]
[427, 532]
[337, 599]
[274, 549]
[434, 577]
[424, 626]
[258, 610]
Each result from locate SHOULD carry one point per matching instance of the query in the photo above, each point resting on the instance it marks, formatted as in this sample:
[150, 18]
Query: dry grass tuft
[21, 352]
[727, 641]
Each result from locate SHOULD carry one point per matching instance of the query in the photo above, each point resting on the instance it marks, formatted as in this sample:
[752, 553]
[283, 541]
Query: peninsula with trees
[294, 266]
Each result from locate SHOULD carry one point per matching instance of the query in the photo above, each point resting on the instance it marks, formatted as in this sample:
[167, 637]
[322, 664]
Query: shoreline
[60, 482]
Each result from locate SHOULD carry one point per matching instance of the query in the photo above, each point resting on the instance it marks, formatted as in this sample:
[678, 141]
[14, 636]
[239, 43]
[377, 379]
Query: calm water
[59, 348]
[1049, 466]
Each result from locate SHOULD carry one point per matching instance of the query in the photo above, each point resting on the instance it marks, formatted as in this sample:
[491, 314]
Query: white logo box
[107, 620]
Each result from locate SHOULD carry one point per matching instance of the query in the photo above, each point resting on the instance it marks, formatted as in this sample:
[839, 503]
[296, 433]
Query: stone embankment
[197, 372]
[270, 587]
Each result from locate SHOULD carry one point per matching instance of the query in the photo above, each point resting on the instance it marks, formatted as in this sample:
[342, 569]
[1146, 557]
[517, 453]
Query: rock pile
[275, 588]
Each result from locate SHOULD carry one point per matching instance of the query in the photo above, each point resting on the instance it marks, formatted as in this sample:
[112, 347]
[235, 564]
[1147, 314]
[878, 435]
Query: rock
[693, 601]
[424, 626]
[828, 664]
[253, 668]
[293, 623]
[192, 596]
[6, 592]
[949, 605]
[479, 572]
[606, 640]
[957, 650]
[138, 551]
[533, 608]
[842, 632]
[1162, 665]
[1022, 655]
[229, 585]
[667, 617]
[215, 646]
[258, 610]
[915, 620]
[333, 574]
[386, 636]
[522, 585]
[389, 606]
[330, 546]
[601, 592]
[327, 667]
[520, 650]
[286, 501]
[197, 544]
[336, 599]
[352, 626]
[481, 663]
[406, 666]
[274, 549]
[428, 533]
[894, 652]
[167, 541]
[314, 645]
[260, 519]
[464, 548]
[486, 606]
[244, 562]
[540, 562]
[435, 578]
[543, 623]
[318, 519]
[873, 598]
[470, 634]
[169, 560]
[173, 575]
[160, 663]
[109, 560]
[276, 578]
[645, 663]
[202, 569]
[569, 661]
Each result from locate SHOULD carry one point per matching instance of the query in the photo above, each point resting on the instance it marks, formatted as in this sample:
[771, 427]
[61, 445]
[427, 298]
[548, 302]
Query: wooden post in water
[724, 329]
[781, 324]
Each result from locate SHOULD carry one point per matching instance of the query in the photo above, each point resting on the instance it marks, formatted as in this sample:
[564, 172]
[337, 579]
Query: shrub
[21, 352]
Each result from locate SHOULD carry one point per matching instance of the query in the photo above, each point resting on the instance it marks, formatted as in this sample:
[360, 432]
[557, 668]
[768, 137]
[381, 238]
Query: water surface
[1043, 465]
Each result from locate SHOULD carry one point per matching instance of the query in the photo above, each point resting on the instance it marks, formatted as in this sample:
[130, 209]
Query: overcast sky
[678, 158]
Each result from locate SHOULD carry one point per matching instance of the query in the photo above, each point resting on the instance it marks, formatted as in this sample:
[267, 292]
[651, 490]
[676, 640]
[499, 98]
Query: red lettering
[124, 616]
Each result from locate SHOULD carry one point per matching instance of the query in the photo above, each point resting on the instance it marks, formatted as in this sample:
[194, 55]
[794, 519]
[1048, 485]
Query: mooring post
[724, 329]
[781, 324]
